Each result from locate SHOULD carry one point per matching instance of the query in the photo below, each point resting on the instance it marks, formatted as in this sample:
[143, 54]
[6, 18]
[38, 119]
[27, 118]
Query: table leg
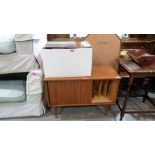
[126, 97]
[146, 89]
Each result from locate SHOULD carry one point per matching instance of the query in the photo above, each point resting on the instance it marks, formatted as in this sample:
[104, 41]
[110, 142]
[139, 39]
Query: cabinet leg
[54, 111]
[107, 108]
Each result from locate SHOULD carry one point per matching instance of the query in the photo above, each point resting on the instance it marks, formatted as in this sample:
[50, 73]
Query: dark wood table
[135, 71]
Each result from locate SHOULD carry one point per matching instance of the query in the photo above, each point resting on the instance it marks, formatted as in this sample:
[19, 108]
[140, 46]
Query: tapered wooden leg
[55, 112]
[106, 108]
[126, 98]
[146, 89]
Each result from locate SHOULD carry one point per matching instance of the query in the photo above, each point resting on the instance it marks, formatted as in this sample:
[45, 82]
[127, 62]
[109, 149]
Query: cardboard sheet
[106, 49]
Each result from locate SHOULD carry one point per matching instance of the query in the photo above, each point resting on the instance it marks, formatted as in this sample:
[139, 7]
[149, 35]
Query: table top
[132, 67]
[98, 73]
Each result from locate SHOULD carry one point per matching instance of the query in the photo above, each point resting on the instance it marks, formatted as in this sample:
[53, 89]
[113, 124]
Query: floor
[94, 113]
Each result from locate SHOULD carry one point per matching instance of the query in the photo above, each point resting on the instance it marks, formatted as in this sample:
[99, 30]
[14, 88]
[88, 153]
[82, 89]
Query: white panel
[16, 63]
[7, 44]
[33, 106]
[30, 43]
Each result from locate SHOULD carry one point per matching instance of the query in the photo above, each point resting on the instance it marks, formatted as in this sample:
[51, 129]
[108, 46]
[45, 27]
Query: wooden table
[135, 71]
[98, 89]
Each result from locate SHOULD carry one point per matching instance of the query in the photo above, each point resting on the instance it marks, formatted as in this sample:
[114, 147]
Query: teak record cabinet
[98, 89]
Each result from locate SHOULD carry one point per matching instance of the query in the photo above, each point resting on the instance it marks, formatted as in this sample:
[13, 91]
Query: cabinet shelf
[100, 99]
[104, 91]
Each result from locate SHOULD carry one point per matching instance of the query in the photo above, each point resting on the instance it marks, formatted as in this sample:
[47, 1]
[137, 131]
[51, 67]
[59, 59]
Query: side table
[135, 71]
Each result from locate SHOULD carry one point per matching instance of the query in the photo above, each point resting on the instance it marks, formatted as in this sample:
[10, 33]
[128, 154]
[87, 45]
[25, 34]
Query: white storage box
[67, 62]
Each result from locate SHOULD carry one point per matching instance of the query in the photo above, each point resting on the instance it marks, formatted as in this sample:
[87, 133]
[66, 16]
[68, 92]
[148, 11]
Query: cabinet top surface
[98, 73]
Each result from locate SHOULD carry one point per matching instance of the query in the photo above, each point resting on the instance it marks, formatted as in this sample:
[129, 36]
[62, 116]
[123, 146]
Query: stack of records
[61, 45]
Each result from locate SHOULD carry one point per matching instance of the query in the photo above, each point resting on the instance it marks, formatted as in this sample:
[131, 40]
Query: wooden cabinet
[140, 41]
[65, 93]
[134, 43]
[98, 89]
